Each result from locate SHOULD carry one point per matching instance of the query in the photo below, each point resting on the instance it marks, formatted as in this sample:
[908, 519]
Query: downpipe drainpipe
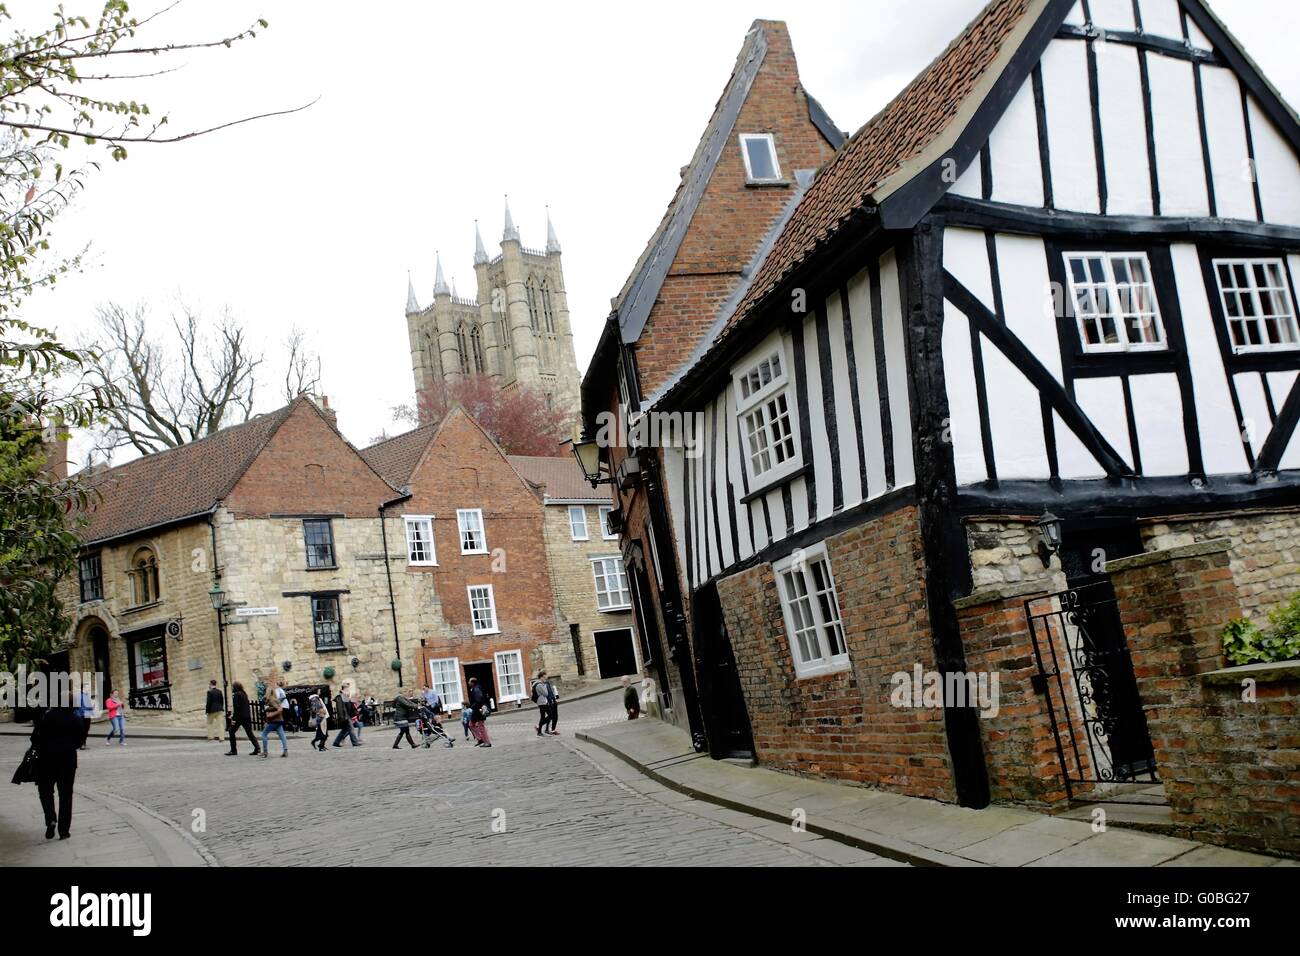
[221, 616]
[388, 570]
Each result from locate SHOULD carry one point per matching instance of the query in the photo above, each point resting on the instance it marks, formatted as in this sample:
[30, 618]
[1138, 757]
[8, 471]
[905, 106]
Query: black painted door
[726, 719]
[486, 680]
[1103, 649]
[615, 654]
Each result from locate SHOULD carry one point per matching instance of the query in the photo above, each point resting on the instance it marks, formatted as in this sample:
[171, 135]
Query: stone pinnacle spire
[510, 231]
[552, 243]
[440, 283]
[412, 305]
[480, 254]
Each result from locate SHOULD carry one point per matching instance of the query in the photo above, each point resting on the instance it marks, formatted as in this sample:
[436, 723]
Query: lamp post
[587, 453]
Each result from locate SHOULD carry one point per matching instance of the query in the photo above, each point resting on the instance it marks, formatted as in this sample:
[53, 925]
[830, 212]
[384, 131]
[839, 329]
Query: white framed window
[444, 677]
[578, 522]
[1114, 301]
[812, 612]
[611, 584]
[473, 540]
[419, 540]
[1257, 304]
[483, 609]
[766, 406]
[510, 676]
[604, 522]
[759, 150]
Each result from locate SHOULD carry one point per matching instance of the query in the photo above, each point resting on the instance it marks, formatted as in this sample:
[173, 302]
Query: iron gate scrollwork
[1086, 674]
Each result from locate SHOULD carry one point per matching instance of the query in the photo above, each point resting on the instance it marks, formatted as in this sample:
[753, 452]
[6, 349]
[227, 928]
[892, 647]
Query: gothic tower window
[476, 347]
[531, 287]
[462, 346]
[547, 313]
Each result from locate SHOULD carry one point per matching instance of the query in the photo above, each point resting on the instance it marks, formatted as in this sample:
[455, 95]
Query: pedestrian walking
[215, 708]
[404, 711]
[631, 702]
[478, 704]
[56, 737]
[286, 708]
[274, 722]
[466, 713]
[539, 698]
[116, 718]
[552, 706]
[433, 700]
[84, 711]
[295, 716]
[241, 715]
[318, 721]
[346, 711]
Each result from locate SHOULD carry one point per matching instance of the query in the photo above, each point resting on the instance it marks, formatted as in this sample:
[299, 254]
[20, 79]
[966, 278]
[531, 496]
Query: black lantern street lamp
[588, 455]
[218, 597]
[1049, 537]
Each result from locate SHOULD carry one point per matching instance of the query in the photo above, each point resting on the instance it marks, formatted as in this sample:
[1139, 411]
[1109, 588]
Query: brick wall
[843, 725]
[462, 468]
[1264, 552]
[732, 217]
[1230, 766]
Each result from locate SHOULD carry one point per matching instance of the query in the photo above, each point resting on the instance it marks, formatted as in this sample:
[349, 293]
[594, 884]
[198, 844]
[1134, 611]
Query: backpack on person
[539, 691]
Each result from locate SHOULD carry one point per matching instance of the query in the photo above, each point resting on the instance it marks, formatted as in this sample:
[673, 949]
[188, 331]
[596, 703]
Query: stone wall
[575, 587]
[1004, 552]
[1264, 551]
[184, 577]
[843, 724]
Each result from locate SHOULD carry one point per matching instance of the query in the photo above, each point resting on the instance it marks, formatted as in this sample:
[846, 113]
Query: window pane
[325, 622]
[762, 164]
[320, 543]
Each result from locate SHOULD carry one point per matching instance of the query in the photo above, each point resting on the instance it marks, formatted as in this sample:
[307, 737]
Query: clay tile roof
[898, 133]
[561, 478]
[395, 458]
[178, 483]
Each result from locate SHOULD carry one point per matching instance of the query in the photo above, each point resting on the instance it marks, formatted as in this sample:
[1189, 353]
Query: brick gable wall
[308, 468]
[732, 218]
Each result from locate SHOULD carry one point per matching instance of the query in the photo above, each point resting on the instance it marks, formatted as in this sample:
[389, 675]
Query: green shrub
[1244, 643]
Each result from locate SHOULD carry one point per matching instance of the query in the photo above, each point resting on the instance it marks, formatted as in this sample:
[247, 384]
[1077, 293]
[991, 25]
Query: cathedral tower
[516, 330]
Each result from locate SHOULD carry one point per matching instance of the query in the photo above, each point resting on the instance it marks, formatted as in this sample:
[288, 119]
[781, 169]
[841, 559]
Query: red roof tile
[561, 478]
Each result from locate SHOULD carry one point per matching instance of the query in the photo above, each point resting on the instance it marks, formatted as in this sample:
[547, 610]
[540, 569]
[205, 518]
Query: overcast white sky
[428, 114]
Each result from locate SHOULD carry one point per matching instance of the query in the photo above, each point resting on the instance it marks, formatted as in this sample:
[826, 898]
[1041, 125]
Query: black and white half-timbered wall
[1056, 274]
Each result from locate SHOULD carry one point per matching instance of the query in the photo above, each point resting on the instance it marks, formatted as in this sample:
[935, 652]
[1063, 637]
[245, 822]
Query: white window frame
[603, 511]
[581, 512]
[757, 402]
[654, 552]
[491, 606]
[597, 576]
[414, 521]
[440, 687]
[1254, 292]
[770, 140]
[1119, 312]
[462, 529]
[823, 660]
[503, 697]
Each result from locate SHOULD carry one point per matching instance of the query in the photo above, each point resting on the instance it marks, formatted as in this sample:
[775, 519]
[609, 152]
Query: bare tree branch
[303, 374]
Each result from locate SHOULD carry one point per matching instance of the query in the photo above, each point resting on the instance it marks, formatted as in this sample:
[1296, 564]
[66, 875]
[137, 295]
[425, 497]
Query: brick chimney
[323, 403]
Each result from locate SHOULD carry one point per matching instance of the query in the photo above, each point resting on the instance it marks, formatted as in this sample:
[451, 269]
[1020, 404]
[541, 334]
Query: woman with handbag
[404, 711]
[478, 714]
[56, 737]
[318, 721]
[274, 721]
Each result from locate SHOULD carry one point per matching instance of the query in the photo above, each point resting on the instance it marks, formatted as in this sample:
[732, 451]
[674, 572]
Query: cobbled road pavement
[527, 801]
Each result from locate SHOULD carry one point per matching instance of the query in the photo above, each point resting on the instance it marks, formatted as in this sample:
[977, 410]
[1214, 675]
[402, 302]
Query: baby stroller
[430, 728]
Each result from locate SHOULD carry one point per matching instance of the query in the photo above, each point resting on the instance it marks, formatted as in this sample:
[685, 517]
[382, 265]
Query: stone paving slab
[911, 829]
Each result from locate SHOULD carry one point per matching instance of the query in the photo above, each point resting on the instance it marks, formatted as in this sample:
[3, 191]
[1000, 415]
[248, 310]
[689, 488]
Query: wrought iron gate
[1086, 675]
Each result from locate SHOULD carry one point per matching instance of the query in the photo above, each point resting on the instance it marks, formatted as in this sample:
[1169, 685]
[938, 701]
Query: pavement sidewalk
[107, 830]
[914, 830]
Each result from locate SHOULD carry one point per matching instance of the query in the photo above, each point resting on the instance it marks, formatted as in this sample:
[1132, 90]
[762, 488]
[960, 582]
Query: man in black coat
[241, 715]
[56, 737]
[215, 708]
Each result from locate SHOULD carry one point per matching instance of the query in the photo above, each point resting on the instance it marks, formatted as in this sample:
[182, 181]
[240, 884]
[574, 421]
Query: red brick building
[473, 527]
[765, 135]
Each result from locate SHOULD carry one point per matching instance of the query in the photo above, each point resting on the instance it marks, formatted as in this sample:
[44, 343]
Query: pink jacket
[113, 706]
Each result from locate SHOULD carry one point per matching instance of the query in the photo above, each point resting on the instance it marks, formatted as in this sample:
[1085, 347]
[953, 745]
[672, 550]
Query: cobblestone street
[556, 802]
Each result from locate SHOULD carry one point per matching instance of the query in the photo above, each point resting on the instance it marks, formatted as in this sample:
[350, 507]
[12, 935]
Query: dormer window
[759, 150]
